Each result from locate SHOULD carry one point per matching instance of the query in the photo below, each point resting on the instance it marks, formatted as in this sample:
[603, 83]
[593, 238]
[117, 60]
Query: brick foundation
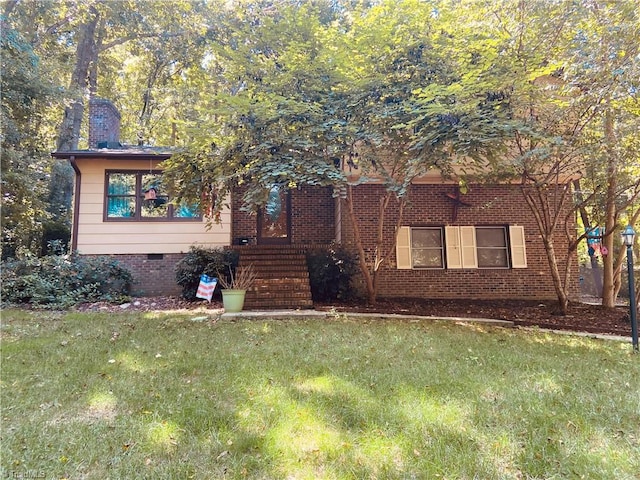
[153, 275]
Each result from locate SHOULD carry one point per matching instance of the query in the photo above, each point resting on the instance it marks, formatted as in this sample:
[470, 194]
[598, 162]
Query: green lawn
[178, 396]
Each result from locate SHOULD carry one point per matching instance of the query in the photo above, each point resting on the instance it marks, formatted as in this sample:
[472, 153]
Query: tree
[519, 70]
[300, 97]
[25, 99]
[76, 40]
[606, 66]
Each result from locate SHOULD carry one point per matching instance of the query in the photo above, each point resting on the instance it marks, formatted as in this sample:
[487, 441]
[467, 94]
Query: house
[121, 210]
[482, 245]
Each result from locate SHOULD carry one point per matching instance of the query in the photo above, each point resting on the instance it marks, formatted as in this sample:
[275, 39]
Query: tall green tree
[26, 96]
[605, 67]
[522, 89]
[85, 46]
[299, 97]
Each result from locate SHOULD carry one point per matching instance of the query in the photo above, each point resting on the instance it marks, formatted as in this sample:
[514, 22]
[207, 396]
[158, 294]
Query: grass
[176, 396]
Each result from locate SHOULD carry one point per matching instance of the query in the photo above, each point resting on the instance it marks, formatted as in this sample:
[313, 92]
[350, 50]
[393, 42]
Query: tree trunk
[586, 222]
[561, 292]
[61, 185]
[609, 291]
[371, 272]
[85, 55]
[546, 220]
[362, 257]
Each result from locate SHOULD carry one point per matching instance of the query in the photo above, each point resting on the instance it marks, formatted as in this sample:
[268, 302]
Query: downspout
[338, 220]
[76, 204]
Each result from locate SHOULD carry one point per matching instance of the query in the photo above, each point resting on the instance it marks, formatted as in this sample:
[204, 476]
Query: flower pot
[233, 300]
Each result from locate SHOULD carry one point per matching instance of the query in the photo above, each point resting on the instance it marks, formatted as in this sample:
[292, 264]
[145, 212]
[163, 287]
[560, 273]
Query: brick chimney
[104, 124]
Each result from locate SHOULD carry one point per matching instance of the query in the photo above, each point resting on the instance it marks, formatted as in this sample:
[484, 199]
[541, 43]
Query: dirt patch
[583, 317]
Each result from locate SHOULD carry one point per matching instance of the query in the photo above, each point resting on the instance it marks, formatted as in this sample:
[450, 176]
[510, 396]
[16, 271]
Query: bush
[330, 273]
[56, 236]
[61, 281]
[201, 260]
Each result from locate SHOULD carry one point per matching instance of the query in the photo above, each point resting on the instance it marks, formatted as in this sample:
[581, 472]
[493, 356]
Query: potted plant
[235, 286]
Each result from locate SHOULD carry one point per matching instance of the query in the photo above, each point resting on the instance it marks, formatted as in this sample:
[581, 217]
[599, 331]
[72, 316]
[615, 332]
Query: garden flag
[206, 287]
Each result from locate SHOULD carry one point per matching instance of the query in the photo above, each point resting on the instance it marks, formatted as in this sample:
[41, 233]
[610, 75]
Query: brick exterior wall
[104, 122]
[153, 275]
[313, 222]
[489, 205]
[312, 217]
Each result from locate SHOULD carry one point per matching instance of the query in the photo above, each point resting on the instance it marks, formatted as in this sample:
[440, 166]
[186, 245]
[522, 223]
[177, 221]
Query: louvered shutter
[453, 247]
[518, 247]
[468, 247]
[403, 248]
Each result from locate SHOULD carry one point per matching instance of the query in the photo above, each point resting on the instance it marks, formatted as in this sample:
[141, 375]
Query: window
[427, 248]
[140, 196]
[464, 247]
[491, 245]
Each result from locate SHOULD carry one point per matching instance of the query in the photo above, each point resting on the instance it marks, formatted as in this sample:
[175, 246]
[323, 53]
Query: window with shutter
[492, 247]
[463, 247]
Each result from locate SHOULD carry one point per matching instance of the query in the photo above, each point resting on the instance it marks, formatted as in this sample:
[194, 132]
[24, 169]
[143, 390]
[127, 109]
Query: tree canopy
[295, 93]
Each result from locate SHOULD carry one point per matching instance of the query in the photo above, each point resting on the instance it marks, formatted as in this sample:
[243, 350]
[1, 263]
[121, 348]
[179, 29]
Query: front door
[274, 219]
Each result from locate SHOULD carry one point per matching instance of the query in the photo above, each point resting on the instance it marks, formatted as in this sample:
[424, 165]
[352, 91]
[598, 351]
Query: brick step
[271, 248]
[285, 267]
[278, 294]
[282, 277]
[277, 304]
[257, 256]
[274, 267]
[280, 283]
[267, 275]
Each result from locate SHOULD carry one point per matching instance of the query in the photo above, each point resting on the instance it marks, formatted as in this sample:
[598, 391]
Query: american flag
[206, 287]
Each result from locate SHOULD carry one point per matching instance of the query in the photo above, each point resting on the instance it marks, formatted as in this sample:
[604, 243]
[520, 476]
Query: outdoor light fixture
[628, 237]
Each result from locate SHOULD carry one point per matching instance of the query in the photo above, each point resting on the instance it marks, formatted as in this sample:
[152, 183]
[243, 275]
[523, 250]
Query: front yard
[185, 395]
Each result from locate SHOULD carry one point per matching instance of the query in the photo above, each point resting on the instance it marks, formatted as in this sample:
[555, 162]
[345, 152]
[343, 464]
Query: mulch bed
[582, 317]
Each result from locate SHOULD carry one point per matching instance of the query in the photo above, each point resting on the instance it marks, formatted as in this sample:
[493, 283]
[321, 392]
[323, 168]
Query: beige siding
[96, 236]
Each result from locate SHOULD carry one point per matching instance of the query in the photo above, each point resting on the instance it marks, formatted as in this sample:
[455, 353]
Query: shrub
[56, 236]
[330, 273]
[61, 281]
[201, 260]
